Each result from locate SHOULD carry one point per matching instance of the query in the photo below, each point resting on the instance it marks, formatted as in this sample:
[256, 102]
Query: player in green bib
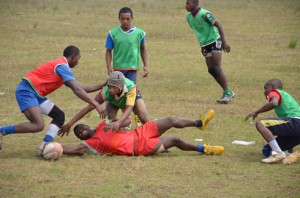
[118, 93]
[210, 35]
[286, 126]
[125, 46]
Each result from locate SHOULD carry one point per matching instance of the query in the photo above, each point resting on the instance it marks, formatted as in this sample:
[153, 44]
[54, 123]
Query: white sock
[52, 130]
[275, 147]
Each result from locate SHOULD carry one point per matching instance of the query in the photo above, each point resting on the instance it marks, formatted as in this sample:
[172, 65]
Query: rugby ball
[52, 151]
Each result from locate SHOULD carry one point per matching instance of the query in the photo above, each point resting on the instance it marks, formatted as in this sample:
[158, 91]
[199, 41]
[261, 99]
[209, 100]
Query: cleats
[294, 157]
[213, 150]
[274, 158]
[40, 150]
[209, 115]
[227, 97]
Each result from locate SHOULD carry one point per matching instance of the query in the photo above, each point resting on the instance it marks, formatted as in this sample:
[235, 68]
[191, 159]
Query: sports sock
[275, 147]
[228, 92]
[198, 123]
[8, 129]
[51, 133]
[200, 148]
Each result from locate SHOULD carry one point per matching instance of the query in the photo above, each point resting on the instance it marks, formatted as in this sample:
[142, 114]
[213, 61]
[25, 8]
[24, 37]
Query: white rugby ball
[52, 151]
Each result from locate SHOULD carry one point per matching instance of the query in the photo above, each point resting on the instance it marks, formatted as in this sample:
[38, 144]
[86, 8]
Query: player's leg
[169, 122]
[213, 61]
[173, 141]
[268, 128]
[140, 110]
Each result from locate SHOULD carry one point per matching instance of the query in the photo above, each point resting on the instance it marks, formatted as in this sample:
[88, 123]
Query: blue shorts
[27, 97]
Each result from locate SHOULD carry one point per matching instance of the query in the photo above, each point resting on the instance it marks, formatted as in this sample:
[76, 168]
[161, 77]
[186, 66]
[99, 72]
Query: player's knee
[58, 116]
[171, 120]
[38, 127]
[213, 71]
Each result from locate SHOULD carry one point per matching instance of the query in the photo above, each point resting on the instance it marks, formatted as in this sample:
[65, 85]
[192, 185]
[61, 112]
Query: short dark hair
[276, 82]
[125, 10]
[71, 50]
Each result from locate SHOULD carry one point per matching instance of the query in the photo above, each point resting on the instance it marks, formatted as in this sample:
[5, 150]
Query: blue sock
[8, 129]
[48, 138]
[200, 148]
[198, 123]
[267, 152]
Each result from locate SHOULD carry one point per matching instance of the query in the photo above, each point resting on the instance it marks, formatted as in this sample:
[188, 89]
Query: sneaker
[209, 115]
[137, 121]
[41, 149]
[226, 98]
[294, 157]
[274, 158]
[1, 140]
[213, 150]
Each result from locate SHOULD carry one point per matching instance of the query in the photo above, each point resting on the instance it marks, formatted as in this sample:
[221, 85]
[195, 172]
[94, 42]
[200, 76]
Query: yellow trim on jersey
[130, 97]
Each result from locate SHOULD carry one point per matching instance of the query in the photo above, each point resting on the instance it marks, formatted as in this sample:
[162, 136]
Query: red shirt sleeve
[274, 93]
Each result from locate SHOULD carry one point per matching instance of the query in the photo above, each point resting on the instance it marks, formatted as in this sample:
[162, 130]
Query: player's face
[125, 19]
[190, 6]
[113, 90]
[85, 133]
[74, 61]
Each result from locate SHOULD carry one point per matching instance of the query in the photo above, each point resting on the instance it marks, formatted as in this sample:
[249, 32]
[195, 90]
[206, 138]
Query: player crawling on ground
[146, 140]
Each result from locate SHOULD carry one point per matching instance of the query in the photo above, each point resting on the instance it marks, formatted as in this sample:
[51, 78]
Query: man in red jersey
[37, 84]
[145, 140]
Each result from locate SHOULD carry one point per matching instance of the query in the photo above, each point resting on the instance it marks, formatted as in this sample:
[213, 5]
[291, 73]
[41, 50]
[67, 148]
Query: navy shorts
[287, 131]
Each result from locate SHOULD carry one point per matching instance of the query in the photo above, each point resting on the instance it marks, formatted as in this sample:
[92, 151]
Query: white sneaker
[274, 158]
[40, 150]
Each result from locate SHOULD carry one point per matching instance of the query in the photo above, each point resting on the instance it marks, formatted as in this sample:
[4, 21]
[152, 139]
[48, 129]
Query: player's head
[191, 5]
[83, 131]
[115, 82]
[271, 85]
[125, 17]
[72, 53]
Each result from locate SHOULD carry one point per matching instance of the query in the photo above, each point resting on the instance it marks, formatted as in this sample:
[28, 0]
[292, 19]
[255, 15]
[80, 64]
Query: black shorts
[214, 47]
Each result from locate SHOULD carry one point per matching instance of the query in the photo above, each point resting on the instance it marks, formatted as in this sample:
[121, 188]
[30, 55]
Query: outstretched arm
[267, 107]
[92, 88]
[80, 93]
[78, 150]
[67, 127]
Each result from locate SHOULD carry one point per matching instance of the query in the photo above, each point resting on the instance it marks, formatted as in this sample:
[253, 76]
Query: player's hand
[253, 115]
[204, 51]
[113, 127]
[110, 70]
[64, 130]
[146, 72]
[225, 47]
[102, 111]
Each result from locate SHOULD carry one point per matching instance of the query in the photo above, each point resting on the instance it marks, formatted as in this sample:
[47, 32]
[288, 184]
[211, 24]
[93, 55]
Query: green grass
[259, 33]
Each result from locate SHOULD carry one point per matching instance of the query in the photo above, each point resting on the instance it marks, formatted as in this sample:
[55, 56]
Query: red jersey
[142, 141]
[43, 79]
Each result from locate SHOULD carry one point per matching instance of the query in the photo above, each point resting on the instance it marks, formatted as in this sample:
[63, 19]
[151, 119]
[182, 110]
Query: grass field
[263, 36]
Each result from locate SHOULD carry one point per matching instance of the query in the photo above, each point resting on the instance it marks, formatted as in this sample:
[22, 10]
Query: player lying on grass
[286, 126]
[145, 140]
